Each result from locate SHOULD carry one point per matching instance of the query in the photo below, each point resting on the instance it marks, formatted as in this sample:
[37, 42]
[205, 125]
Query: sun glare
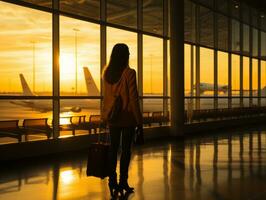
[67, 64]
[67, 177]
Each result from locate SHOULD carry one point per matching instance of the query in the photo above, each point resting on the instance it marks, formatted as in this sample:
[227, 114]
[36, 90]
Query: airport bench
[147, 118]
[74, 123]
[95, 122]
[79, 123]
[160, 118]
[222, 113]
[10, 128]
[36, 126]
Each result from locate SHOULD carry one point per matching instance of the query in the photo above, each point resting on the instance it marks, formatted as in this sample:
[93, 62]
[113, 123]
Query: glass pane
[153, 16]
[254, 81]
[222, 24]
[190, 20]
[122, 12]
[44, 3]
[246, 76]
[255, 42]
[188, 70]
[153, 112]
[263, 45]
[206, 71]
[168, 70]
[235, 36]
[152, 65]
[246, 39]
[235, 74]
[206, 103]
[25, 51]
[222, 103]
[152, 105]
[26, 109]
[263, 78]
[206, 26]
[88, 8]
[222, 74]
[79, 57]
[120, 36]
[254, 76]
[77, 116]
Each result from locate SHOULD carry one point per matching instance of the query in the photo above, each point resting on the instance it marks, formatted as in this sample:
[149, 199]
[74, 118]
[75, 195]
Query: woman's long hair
[118, 62]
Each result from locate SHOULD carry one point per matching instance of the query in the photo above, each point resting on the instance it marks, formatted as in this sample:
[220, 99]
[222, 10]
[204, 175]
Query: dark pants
[127, 135]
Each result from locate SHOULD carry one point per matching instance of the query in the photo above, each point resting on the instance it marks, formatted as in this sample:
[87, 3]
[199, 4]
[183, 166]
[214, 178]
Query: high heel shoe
[125, 187]
[114, 188]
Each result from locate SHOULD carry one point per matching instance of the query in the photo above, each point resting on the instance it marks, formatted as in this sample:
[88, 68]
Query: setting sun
[67, 64]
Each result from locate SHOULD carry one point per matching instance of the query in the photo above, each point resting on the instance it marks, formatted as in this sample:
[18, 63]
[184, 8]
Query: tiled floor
[228, 166]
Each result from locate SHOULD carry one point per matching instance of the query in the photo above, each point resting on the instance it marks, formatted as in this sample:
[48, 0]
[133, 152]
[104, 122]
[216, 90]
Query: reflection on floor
[228, 166]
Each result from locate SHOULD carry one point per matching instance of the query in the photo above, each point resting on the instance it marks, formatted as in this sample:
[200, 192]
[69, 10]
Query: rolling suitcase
[97, 164]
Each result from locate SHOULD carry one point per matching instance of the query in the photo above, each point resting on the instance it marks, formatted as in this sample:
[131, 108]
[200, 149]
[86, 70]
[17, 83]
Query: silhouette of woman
[120, 79]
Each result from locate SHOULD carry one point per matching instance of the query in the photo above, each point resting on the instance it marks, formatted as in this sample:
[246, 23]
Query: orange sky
[23, 28]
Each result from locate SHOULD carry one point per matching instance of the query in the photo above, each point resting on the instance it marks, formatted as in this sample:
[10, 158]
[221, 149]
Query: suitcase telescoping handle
[106, 136]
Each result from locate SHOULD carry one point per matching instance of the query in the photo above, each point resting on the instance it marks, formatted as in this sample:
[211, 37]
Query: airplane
[65, 105]
[204, 87]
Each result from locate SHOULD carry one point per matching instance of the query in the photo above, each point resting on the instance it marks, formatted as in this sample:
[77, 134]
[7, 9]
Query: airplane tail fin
[25, 86]
[90, 83]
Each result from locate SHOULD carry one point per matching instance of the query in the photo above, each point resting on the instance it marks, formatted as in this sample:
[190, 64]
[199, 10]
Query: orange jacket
[127, 88]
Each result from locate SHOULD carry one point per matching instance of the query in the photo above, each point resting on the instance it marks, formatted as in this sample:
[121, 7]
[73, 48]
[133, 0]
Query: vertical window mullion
[56, 71]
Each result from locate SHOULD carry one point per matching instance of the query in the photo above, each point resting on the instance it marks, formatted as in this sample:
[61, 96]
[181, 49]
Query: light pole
[76, 60]
[33, 65]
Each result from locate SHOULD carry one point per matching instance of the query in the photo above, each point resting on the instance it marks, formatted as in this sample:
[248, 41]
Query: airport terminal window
[44, 3]
[190, 21]
[245, 39]
[152, 66]
[263, 83]
[188, 88]
[235, 34]
[222, 25]
[115, 35]
[263, 78]
[263, 45]
[235, 79]
[255, 81]
[25, 51]
[254, 76]
[88, 8]
[75, 115]
[206, 21]
[246, 76]
[79, 57]
[222, 73]
[153, 16]
[255, 42]
[27, 111]
[206, 71]
[122, 12]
